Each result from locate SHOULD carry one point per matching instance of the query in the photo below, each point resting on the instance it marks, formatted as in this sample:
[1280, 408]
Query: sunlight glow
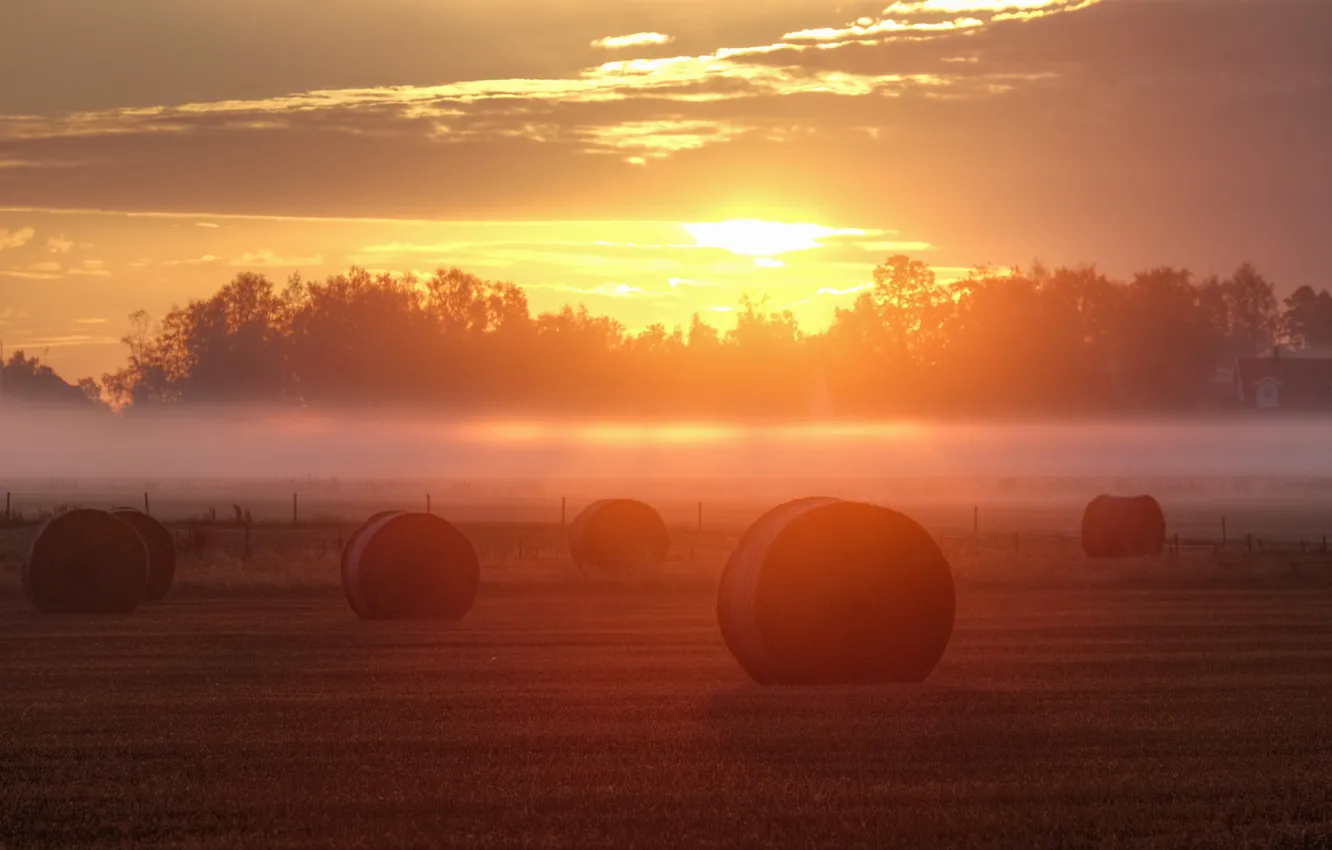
[756, 238]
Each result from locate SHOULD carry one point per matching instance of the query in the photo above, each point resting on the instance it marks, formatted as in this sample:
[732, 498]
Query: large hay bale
[348, 586]
[1123, 527]
[85, 562]
[161, 551]
[821, 590]
[410, 566]
[622, 537]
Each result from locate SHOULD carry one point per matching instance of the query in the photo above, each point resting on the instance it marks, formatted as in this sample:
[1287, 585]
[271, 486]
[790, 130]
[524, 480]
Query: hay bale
[348, 586]
[1123, 527]
[821, 590]
[161, 551]
[85, 562]
[619, 537]
[410, 566]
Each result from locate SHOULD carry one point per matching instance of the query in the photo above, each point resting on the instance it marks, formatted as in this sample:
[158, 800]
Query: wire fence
[532, 525]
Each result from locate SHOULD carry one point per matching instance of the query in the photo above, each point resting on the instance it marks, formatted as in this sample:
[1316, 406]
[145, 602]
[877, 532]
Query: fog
[256, 444]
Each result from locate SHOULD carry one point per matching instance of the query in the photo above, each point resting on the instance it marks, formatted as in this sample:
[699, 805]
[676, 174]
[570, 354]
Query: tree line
[999, 341]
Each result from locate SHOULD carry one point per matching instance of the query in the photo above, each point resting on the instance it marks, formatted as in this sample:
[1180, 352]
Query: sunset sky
[586, 149]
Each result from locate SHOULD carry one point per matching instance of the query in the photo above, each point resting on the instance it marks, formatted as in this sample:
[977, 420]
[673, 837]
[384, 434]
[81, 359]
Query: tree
[1306, 321]
[1000, 340]
[27, 379]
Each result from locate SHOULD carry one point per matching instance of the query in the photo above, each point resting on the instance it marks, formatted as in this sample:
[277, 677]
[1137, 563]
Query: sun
[750, 237]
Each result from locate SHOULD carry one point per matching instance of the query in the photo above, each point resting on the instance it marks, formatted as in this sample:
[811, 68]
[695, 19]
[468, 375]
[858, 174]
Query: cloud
[45, 267]
[831, 292]
[205, 260]
[15, 238]
[90, 268]
[62, 340]
[59, 244]
[251, 259]
[608, 290]
[754, 238]
[534, 108]
[894, 247]
[90, 321]
[638, 39]
[24, 274]
[659, 139]
[209, 224]
[869, 30]
[267, 258]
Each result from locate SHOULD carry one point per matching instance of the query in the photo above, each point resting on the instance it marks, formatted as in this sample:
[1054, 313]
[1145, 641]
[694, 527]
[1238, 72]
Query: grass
[1178, 702]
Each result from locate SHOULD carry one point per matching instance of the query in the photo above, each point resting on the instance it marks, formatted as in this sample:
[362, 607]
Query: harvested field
[1075, 706]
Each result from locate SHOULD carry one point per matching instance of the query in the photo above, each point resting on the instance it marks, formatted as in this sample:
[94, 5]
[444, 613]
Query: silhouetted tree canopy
[1033, 341]
[27, 379]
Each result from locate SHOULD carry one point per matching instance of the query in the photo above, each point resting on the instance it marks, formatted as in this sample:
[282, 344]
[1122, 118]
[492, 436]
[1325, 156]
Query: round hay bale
[622, 537]
[85, 562]
[161, 551]
[1123, 527]
[410, 566]
[822, 590]
[349, 588]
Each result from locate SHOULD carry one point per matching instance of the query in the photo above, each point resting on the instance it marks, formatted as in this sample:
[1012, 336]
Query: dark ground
[567, 714]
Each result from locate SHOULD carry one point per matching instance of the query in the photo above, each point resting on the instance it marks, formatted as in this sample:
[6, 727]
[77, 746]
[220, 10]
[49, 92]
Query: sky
[593, 151]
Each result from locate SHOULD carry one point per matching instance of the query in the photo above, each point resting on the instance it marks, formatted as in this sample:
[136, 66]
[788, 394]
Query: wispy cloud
[265, 258]
[15, 238]
[25, 274]
[90, 321]
[251, 259]
[59, 244]
[830, 292]
[644, 140]
[205, 260]
[905, 246]
[541, 108]
[90, 268]
[638, 39]
[62, 340]
[753, 238]
[866, 28]
[608, 290]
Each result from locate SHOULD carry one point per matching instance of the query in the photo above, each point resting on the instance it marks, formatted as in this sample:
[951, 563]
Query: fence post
[428, 503]
[564, 503]
[1223, 529]
[294, 513]
[975, 520]
[7, 514]
[145, 503]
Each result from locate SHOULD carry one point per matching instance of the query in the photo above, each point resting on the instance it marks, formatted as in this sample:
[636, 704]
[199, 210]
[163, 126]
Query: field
[1182, 701]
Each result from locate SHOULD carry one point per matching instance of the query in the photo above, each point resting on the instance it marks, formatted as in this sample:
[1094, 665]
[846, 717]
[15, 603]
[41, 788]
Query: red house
[1284, 382]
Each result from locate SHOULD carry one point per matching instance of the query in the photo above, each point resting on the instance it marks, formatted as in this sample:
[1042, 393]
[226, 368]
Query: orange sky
[568, 147]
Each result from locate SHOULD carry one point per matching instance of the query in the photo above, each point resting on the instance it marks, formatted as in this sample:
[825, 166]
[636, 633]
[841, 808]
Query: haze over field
[232, 444]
